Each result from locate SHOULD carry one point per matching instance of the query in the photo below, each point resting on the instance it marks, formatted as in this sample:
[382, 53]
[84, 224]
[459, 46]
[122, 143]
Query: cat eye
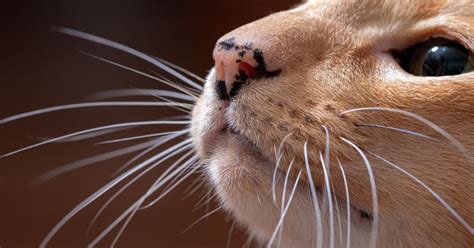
[436, 57]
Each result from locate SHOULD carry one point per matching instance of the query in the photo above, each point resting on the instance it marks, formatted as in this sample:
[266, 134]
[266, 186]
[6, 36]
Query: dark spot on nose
[235, 89]
[221, 90]
[262, 65]
[227, 44]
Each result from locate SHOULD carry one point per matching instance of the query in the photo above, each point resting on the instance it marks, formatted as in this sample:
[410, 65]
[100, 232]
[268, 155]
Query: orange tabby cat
[339, 123]
[345, 123]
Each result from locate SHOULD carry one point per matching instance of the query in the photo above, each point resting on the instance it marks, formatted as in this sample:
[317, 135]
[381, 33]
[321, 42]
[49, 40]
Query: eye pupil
[436, 57]
[444, 61]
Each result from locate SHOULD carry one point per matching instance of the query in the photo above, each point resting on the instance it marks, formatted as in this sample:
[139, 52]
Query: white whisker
[329, 196]
[274, 177]
[85, 136]
[129, 212]
[283, 197]
[101, 191]
[159, 142]
[282, 218]
[128, 124]
[125, 224]
[453, 212]
[277, 165]
[433, 126]
[104, 95]
[88, 105]
[375, 206]
[231, 230]
[202, 218]
[128, 50]
[91, 160]
[127, 185]
[348, 206]
[171, 188]
[339, 224]
[169, 83]
[181, 69]
[146, 136]
[127, 221]
[399, 130]
[314, 197]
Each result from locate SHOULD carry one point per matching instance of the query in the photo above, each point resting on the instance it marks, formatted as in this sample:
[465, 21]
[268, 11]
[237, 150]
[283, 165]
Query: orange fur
[334, 56]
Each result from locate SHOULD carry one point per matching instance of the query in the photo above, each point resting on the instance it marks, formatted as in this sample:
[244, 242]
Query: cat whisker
[137, 208]
[314, 197]
[348, 206]
[330, 207]
[127, 185]
[205, 199]
[104, 189]
[189, 89]
[169, 83]
[180, 175]
[84, 136]
[96, 159]
[338, 210]
[229, 237]
[146, 136]
[278, 156]
[327, 195]
[201, 219]
[197, 184]
[274, 177]
[89, 105]
[126, 49]
[280, 222]
[375, 206]
[181, 69]
[173, 186]
[417, 134]
[130, 212]
[283, 196]
[453, 212]
[108, 94]
[120, 125]
[430, 124]
[161, 140]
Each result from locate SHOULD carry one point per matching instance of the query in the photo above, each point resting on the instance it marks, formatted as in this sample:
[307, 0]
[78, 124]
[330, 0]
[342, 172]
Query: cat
[348, 92]
[334, 124]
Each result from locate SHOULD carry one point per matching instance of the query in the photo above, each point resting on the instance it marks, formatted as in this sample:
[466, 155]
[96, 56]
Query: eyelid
[444, 32]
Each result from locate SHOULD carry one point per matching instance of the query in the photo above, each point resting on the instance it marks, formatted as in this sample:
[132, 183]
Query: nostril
[246, 71]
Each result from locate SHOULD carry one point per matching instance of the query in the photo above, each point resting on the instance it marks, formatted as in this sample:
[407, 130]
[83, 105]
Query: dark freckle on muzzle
[365, 215]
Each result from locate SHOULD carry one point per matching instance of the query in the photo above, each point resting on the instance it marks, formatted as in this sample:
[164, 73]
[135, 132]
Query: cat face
[350, 98]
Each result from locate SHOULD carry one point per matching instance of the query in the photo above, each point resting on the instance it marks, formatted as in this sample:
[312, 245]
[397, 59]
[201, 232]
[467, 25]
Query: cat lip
[236, 132]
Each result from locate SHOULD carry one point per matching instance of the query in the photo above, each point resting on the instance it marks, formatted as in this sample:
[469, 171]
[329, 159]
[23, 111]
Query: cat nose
[235, 64]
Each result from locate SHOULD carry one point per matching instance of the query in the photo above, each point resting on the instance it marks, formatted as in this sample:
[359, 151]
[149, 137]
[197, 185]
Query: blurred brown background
[40, 68]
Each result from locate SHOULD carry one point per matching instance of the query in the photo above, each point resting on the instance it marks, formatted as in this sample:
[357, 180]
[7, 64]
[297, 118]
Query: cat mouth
[237, 133]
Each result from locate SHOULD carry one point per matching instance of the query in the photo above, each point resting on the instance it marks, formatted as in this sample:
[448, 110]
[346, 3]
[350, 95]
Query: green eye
[436, 57]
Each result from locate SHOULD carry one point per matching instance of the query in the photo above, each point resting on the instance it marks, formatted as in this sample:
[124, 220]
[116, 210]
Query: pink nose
[236, 63]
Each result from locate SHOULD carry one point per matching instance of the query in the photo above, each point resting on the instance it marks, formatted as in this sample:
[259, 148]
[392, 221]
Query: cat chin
[244, 186]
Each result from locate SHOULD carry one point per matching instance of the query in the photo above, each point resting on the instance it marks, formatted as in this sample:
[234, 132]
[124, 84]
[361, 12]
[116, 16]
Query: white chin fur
[243, 181]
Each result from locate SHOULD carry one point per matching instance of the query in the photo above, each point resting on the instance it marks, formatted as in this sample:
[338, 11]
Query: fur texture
[335, 56]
